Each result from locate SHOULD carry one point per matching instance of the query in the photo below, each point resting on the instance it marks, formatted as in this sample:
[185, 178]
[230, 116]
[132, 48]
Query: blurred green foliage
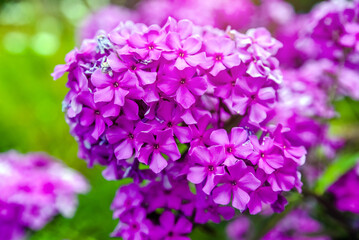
[35, 35]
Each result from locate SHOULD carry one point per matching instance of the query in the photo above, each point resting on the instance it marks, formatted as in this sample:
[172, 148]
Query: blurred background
[35, 36]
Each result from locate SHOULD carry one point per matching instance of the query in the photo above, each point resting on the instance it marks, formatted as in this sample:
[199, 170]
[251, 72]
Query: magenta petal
[120, 96]
[115, 134]
[115, 63]
[185, 28]
[147, 77]
[167, 220]
[227, 212]
[192, 45]
[249, 182]
[196, 59]
[173, 40]
[197, 85]
[219, 137]
[238, 136]
[99, 128]
[182, 133]
[100, 79]
[255, 204]
[222, 194]
[262, 164]
[59, 71]
[136, 40]
[183, 226]
[110, 110]
[144, 154]
[168, 85]
[210, 184]
[130, 109]
[124, 150]
[181, 64]
[104, 95]
[267, 195]
[240, 199]
[231, 60]
[201, 155]
[171, 150]
[217, 67]
[87, 117]
[196, 174]
[275, 161]
[257, 113]
[266, 94]
[184, 97]
[158, 163]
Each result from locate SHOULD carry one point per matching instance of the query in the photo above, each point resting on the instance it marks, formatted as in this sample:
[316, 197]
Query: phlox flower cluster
[33, 189]
[297, 225]
[185, 111]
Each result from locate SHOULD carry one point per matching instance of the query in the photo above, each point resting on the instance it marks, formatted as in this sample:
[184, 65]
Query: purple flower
[208, 165]
[255, 99]
[221, 55]
[265, 155]
[185, 85]
[237, 229]
[234, 145]
[108, 88]
[262, 195]
[134, 226]
[207, 210]
[93, 115]
[239, 183]
[171, 119]
[122, 135]
[185, 53]
[133, 71]
[153, 146]
[127, 198]
[148, 45]
[170, 229]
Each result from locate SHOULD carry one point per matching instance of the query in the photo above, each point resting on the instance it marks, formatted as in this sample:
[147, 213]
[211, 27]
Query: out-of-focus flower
[33, 189]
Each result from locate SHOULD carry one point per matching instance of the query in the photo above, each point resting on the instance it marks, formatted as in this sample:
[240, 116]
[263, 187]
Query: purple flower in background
[105, 19]
[345, 198]
[239, 183]
[237, 229]
[34, 188]
[297, 225]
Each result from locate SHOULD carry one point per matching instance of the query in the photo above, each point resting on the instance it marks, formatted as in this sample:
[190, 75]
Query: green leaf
[343, 164]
